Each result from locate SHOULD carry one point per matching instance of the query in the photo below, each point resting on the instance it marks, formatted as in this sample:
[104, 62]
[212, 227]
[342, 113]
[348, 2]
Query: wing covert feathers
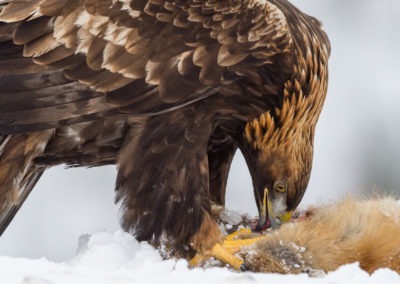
[178, 48]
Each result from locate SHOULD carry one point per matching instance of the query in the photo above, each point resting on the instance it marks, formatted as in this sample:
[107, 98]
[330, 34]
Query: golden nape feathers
[298, 111]
[327, 237]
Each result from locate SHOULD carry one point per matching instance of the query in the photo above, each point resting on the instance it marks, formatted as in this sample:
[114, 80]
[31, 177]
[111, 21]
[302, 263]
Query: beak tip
[262, 226]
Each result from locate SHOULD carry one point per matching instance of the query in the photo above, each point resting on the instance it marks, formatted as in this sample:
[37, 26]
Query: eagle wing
[18, 174]
[64, 62]
[68, 61]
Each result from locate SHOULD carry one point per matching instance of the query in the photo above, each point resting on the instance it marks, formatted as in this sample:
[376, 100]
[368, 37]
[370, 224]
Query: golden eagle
[167, 90]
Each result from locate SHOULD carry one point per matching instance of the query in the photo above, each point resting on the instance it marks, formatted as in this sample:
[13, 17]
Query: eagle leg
[221, 151]
[225, 251]
[219, 252]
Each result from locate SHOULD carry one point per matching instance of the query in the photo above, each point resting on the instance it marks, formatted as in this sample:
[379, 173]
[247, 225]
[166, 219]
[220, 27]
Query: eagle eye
[280, 187]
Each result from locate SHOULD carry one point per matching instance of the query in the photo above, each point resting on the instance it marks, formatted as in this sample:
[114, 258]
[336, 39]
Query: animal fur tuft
[351, 231]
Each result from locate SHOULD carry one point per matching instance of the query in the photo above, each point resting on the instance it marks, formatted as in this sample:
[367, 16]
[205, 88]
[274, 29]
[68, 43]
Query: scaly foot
[225, 252]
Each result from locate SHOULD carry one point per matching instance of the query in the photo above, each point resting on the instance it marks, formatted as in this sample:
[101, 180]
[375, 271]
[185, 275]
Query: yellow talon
[239, 233]
[235, 245]
[226, 251]
[220, 253]
[195, 261]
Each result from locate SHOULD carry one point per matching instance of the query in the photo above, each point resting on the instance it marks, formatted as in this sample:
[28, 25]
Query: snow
[118, 258]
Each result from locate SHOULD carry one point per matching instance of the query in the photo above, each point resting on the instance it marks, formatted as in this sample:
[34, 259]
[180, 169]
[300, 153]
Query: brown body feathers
[167, 91]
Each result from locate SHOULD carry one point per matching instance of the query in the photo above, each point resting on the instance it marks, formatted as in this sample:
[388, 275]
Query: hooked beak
[263, 221]
[266, 217]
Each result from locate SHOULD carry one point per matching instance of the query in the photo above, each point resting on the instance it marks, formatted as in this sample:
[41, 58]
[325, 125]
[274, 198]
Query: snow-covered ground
[105, 258]
[118, 258]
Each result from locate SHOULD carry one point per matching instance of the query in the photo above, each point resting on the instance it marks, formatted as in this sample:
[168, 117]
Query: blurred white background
[356, 146]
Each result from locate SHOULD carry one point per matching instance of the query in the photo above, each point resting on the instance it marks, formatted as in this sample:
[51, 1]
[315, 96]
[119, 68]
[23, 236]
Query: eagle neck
[295, 119]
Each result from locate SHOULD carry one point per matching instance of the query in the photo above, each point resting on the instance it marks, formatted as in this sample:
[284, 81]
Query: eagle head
[280, 179]
[279, 157]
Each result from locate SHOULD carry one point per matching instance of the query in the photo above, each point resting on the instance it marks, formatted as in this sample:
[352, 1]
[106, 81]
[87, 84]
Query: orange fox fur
[367, 232]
